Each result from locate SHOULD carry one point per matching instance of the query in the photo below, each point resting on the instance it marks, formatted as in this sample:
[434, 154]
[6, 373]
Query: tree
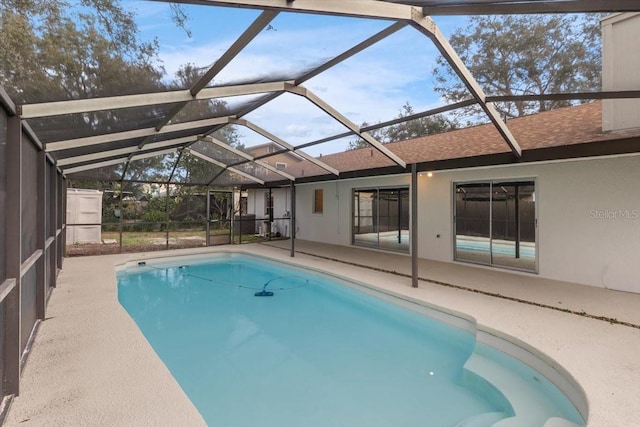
[186, 76]
[417, 127]
[521, 55]
[358, 142]
[407, 129]
[50, 51]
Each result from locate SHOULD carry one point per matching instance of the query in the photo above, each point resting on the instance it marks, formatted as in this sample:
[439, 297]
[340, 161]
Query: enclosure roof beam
[128, 150]
[381, 125]
[333, 62]
[396, 9]
[215, 177]
[522, 7]
[124, 170]
[306, 93]
[353, 8]
[246, 156]
[286, 145]
[132, 134]
[425, 25]
[94, 165]
[618, 94]
[222, 165]
[240, 43]
[327, 65]
[118, 161]
[74, 106]
[392, 29]
[175, 167]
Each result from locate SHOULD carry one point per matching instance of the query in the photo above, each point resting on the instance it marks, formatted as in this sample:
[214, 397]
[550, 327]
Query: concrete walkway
[593, 301]
[90, 365]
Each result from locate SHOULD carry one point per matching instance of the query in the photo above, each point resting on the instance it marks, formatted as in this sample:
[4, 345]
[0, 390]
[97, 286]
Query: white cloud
[297, 129]
[371, 87]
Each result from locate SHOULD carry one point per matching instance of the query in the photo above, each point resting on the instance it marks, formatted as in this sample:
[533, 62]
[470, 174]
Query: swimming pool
[319, 352]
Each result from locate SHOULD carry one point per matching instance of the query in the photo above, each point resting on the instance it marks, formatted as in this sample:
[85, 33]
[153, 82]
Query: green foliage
[50, 50]
[156, 209]
[57, 50]
[522, 55]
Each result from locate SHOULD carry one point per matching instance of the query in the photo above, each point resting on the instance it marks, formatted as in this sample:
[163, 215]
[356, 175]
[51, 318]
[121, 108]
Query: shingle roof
[561, 127]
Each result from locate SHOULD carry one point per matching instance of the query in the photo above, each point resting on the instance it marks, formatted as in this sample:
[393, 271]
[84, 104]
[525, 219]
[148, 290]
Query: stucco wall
[333, 225]
[588, 216]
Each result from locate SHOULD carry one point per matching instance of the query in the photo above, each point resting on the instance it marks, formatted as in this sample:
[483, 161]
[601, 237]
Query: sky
[369, 87]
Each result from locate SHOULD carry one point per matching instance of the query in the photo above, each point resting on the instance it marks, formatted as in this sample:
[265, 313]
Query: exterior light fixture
[429, 174]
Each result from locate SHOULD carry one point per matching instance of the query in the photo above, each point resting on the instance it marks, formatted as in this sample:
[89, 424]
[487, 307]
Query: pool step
[559, 422]
[488, 419]
[526, 405]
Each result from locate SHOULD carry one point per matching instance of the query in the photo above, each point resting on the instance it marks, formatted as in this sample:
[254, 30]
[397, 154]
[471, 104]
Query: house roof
[565, 127]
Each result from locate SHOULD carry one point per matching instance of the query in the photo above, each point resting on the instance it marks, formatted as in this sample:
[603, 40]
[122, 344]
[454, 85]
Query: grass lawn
[138, 238]
[145, 241]
[135, 238]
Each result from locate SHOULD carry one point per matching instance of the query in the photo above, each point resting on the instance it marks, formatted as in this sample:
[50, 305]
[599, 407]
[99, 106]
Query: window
[381, 218]
[495, 223]
[281, 165]
[318, 196]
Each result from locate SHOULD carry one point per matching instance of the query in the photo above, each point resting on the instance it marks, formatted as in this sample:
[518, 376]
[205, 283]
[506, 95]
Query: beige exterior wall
[621, 70]
[588, 216]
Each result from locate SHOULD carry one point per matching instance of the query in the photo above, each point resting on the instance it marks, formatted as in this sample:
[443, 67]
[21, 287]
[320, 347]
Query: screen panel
[29, 197]
[3, 194]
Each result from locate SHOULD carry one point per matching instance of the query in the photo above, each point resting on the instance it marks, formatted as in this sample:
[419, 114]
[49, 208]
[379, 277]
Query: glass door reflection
[496, 224]
[381, 218]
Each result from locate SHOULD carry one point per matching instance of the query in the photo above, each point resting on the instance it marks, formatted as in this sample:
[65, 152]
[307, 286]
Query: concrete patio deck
[90, 365]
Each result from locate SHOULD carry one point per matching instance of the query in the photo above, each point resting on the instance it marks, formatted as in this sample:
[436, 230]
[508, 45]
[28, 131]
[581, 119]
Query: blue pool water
[317, 353]
[527, 250]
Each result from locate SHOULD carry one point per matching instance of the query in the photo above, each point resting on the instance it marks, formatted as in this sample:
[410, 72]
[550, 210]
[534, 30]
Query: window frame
[401, 188]
[491, 182]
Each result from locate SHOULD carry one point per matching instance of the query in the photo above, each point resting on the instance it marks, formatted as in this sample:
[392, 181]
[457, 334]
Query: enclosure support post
[41, 239]
[240, 219]
[414, 225]
[53, 218]
[13, 251]
[121, 213]
[230, 214]
[292, 219]
[517, 219]
[270, 210]
[399, 216]
[208, 218]
[63, 219]
[166, 206]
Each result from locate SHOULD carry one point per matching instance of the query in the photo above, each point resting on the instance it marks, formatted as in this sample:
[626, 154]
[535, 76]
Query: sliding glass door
[496, 223]
[381, 218]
